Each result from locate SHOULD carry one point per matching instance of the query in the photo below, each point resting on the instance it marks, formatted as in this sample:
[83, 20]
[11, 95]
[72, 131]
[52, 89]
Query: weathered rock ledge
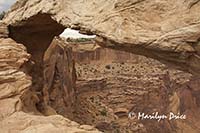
[165, 30]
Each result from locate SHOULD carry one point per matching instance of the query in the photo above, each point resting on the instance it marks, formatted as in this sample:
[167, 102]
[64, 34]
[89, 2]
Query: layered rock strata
[110, 88]
[168, 31]
[19, 99]
[165, 30]
[59, 78]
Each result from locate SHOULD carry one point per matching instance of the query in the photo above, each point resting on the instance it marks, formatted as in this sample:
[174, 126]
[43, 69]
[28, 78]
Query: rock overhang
[168, 31]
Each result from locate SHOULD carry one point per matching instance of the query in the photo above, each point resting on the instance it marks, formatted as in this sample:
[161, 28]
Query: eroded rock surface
[26, 123]
[59, 78]
[18, 98]
[166, 30]
[13, 81]
[111, 84]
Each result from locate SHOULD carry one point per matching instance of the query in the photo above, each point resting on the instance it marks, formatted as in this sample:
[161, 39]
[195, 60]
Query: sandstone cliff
[59, 78]
[18, 97]
[165, 30]
[113, 83]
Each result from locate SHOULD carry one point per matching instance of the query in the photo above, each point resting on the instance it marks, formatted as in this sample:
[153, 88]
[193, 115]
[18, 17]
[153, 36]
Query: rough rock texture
[25, 123]
[111, 87]
[18, 100]
[3, 30]
[90, 52]
[168, 30]
[13, 81]
[59, 78]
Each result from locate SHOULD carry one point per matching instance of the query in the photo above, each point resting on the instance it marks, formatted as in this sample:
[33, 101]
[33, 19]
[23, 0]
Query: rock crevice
[21, 88]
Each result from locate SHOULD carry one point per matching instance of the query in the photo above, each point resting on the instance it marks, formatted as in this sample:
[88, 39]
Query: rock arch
[151, 28]
[168, 31]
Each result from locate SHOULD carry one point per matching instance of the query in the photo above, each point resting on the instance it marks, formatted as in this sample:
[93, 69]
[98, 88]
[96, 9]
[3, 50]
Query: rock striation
[59, 78]
[13, 81]
[165, 30]
[3, 30]
[19, 100]
[118, 83]
[106, 96]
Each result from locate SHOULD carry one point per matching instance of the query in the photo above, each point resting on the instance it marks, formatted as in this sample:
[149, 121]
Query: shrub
[103, 112]
[79, 39]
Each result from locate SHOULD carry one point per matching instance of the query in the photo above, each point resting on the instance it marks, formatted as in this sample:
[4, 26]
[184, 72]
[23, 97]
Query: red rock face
[20, 94]
[109, 88]
[59, 78]
[116, 82]
[110, 85]
[90, 52]
[165, 30]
